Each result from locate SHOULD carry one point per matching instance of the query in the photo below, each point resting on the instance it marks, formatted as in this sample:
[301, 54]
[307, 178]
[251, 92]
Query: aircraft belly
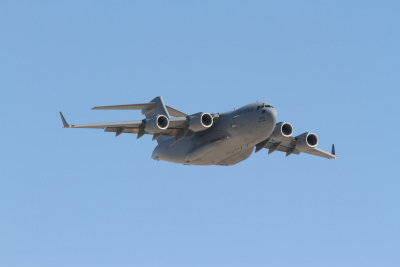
[236, 158]
[207, 154]
[214, 154]
[225, 154]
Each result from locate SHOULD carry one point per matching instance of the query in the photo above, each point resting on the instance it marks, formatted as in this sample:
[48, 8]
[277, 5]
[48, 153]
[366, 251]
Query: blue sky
[85, 198]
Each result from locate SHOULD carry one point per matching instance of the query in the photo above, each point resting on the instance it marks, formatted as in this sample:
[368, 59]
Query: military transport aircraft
[211, 139]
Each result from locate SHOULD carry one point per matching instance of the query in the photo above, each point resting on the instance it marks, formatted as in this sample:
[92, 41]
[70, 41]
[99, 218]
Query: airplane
[202, 138]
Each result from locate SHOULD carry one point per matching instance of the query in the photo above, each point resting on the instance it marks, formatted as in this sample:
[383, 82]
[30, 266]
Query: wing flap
[281, 147]
[119, 130]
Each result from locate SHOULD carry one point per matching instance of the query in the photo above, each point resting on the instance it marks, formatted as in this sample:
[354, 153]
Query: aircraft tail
[157, 109]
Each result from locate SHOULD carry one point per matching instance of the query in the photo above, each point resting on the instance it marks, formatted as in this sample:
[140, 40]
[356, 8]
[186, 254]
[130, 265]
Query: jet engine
[306, 140]
[200, 122]
[156, 124]
[282, 130]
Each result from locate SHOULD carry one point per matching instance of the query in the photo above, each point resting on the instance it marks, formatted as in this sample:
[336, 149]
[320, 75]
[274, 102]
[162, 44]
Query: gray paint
[230, 140]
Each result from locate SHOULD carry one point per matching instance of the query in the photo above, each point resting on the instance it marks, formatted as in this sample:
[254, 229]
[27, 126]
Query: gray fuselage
[230, 140]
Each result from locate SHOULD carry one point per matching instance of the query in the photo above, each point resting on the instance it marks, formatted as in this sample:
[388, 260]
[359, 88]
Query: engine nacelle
[156, 124]
[282, 130]
[306, 140]
[200, 122]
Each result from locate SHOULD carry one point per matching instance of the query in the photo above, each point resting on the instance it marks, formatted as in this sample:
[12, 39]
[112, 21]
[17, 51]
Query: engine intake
[282, 130]
[157, 124]
[200, 122]
[306, 140]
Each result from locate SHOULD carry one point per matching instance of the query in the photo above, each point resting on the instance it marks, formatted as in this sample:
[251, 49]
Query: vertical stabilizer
[159, 109]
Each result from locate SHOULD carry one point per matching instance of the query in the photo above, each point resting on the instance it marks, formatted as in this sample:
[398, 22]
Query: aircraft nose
[274, 114]
[271, 114]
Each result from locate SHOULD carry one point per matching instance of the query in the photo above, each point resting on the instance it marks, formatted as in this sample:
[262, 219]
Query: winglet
[65, 123]
[333, 152]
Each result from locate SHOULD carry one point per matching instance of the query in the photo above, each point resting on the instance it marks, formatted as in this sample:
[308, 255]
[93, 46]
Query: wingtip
[333, 152]
[64, 121]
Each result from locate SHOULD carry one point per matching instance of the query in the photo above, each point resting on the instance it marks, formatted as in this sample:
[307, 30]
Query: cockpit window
[264, 106]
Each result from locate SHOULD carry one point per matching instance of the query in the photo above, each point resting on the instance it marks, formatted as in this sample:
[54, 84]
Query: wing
[319, 152]
[120, 124]
[179, 125]
[289, 146]
[175, 128]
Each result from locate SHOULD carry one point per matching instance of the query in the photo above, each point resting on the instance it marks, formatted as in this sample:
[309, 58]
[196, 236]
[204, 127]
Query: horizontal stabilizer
[175, 112]
[126, 107]
[145, 106]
